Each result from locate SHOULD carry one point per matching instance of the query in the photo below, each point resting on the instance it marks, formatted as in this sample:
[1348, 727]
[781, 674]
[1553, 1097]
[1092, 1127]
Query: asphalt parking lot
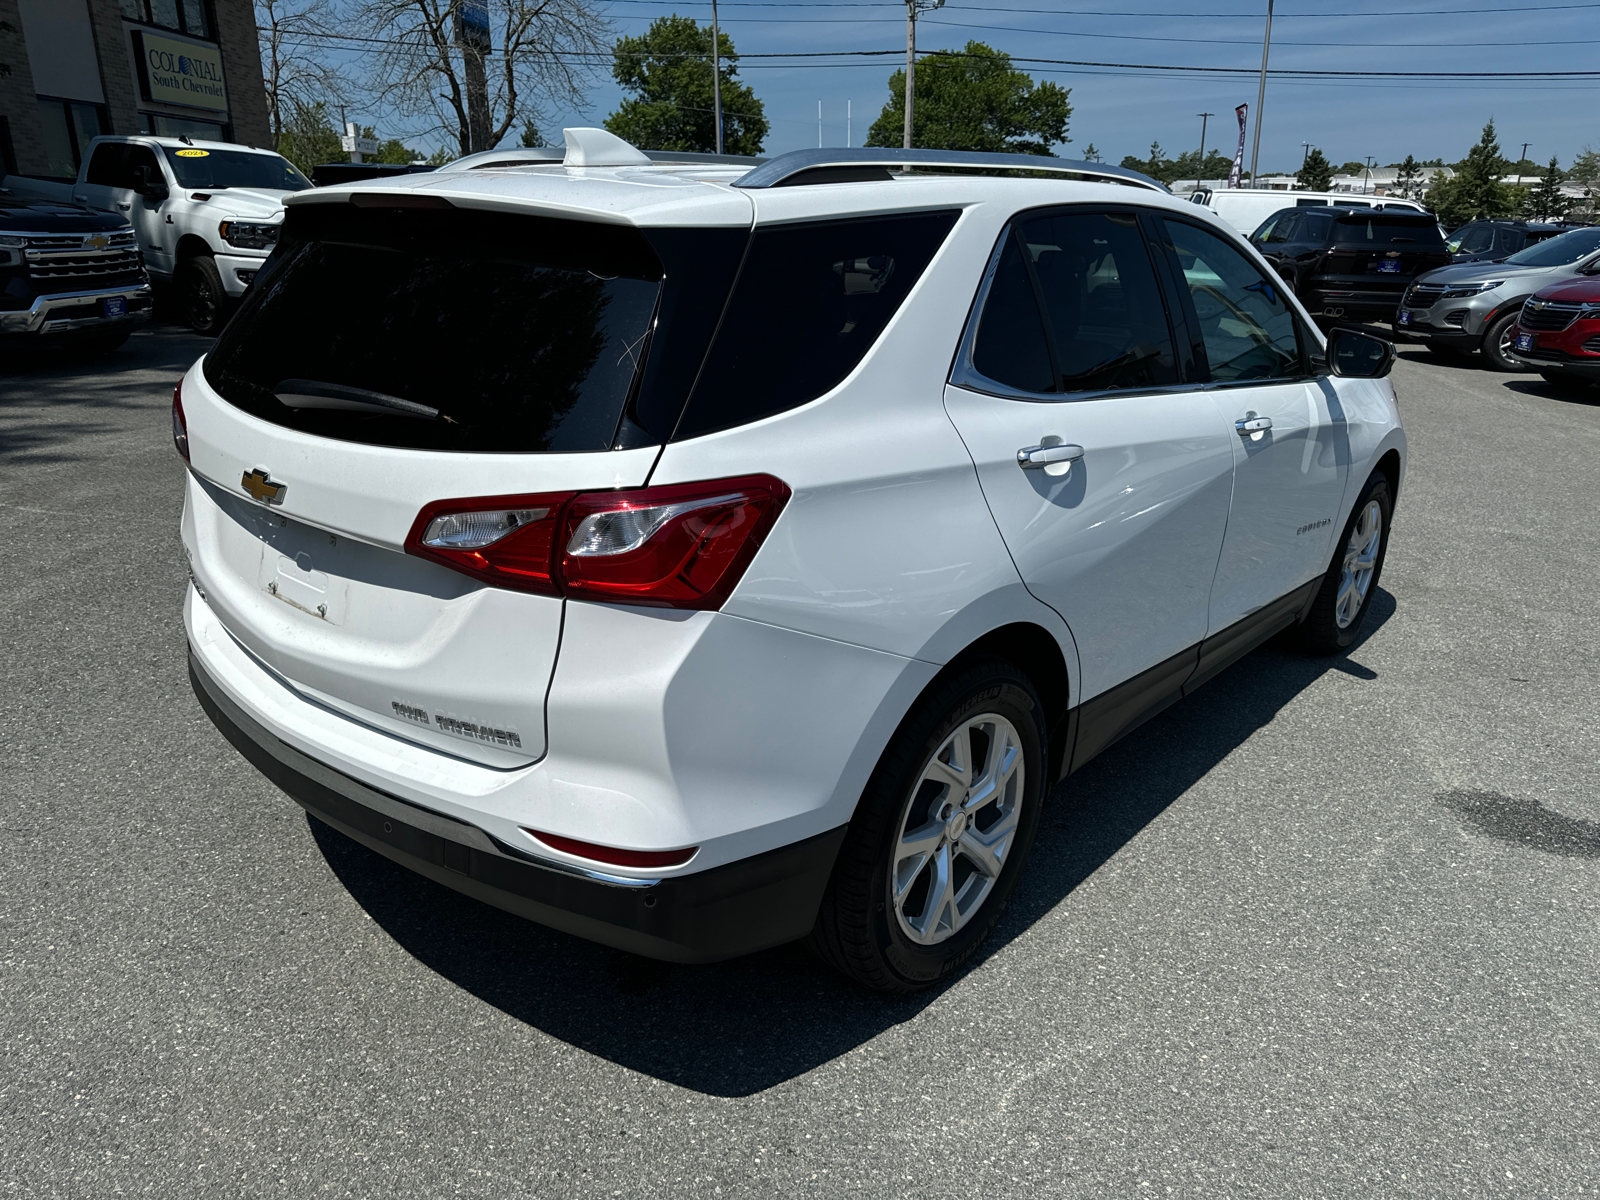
[1328, 928]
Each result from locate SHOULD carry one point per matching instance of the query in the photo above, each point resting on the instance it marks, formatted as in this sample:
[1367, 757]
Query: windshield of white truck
[216, 169]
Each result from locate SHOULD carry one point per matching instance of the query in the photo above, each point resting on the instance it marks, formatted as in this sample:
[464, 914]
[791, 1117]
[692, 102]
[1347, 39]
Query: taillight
[613, 855]
[679, 546]
[180, 427]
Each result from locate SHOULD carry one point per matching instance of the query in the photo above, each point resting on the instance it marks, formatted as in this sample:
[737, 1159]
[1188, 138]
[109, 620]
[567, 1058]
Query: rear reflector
[679, 546]
[612, 855]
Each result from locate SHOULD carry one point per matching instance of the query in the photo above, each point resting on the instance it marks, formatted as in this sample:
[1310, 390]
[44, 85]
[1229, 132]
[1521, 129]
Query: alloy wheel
[957, 829]
[1360, 563]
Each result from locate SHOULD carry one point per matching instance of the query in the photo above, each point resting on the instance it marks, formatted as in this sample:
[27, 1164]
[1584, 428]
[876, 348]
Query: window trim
[964, 374]
[1186, 305]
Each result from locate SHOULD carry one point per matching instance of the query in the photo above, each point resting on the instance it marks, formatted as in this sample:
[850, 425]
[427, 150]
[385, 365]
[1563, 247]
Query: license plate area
[1389, 266]
[114, 306]
[1524, 341]
[1404, 318]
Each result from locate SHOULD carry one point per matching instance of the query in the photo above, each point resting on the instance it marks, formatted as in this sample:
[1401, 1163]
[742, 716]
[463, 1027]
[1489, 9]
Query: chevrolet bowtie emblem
[260, 485]
[96, 242]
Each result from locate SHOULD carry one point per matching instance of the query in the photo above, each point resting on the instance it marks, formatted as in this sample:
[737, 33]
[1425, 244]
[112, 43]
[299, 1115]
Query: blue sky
[1122, 111]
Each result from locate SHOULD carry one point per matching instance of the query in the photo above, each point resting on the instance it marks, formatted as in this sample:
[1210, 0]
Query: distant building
[80, 68]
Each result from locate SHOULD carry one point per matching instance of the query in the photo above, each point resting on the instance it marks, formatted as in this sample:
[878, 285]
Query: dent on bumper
[729, 910]
[65, 311]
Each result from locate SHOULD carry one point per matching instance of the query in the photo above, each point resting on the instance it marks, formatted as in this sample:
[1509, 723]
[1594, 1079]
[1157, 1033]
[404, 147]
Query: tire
[204, 300]
[1345, 597]
[1497, 344]
[907, 944]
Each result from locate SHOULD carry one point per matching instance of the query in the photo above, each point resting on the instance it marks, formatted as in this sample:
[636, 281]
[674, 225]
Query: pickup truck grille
[1548, 316]
[76, 262]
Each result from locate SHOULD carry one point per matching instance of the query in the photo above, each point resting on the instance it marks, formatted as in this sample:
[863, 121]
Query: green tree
[1350, 168]
[1158, 166]
[1316, 173]
[1189, 165]
[1546, 202]
[973, 100]
[531, 137]
[1409, 182]
[308, 138]
[668, 70]
[1476, 192]
[391, 151]
[1585, 168]
[1092, 154]
[440, 157]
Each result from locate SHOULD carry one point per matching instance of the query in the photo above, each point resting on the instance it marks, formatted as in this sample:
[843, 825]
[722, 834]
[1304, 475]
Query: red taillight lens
[680, 546]
[612, 855]
[508, 541]
[180, 427]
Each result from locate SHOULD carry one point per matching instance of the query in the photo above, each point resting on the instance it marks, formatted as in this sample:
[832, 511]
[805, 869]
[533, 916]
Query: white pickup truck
[207, 214]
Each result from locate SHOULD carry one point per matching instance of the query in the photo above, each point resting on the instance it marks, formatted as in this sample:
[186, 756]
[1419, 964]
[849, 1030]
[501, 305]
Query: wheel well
[1513, 305]
[1389, 464]
[1034, 651]
[192, 246]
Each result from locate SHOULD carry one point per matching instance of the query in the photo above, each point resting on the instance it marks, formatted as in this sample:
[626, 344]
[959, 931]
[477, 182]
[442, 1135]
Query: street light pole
[1366, 182]
[1200, 167]
[716, 73]
[1261, 95]
[1521, 160]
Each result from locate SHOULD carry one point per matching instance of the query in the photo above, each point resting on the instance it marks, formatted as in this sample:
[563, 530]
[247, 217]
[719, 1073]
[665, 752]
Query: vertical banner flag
[1238, 156]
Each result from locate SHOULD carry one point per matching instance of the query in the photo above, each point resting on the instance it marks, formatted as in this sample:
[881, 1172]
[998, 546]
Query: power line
[1133, 37]
[1090, 12]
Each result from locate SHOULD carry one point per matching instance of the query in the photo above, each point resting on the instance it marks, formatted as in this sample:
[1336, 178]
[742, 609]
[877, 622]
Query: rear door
[1289, 443]
[1108, 475]
[387, 360]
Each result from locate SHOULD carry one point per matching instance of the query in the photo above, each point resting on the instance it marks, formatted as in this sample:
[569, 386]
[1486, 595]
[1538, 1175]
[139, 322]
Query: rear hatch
[391, 358]
[1381, 250]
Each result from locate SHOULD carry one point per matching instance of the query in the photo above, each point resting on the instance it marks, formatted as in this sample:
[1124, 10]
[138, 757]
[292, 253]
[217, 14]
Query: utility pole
[1366, 181]
[849, 136]
[1201, 166]
[1261, 95]
[716, 73]
[1305, 153]
[1520, 161]
[472, 37]
[914, 7]
[819, 124]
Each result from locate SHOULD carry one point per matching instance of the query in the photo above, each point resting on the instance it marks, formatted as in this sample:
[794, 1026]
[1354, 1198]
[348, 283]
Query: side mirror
[1357, 355]
[146, 187]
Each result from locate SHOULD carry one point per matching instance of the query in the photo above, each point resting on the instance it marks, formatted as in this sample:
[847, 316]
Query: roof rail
[848, 165]
[695, 158]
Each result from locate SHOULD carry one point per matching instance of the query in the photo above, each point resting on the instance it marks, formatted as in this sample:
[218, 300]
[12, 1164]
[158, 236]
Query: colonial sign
[174, 71]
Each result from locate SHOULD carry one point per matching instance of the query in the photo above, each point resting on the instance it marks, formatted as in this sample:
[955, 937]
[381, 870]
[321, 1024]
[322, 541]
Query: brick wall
[241, 59]
[116, 66]
[18, 101]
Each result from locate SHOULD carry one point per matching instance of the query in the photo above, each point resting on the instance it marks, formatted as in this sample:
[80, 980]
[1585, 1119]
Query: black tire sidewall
[1492, 356]
[201, 270]
[1008, 694]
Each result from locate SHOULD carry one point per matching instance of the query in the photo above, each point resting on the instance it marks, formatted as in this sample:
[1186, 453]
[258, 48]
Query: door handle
[1044, 456]
[124, 207]
[1248, 425]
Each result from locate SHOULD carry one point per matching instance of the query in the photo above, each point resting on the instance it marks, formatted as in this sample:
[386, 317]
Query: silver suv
[1474, 306]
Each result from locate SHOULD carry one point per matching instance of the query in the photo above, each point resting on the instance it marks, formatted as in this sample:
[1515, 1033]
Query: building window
[69, 126]
[186, 16]
[161, 125]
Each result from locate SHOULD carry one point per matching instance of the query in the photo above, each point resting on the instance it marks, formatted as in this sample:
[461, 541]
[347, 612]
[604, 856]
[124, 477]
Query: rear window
[809, 303]
[523, 336]
[1385, 229]
[1559, 251]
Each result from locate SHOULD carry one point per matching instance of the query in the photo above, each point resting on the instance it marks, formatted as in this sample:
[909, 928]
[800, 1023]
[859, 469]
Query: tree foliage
[308, 138]
[537, 55]
[973, 100]
[1408, 184]
[1316, 173]
[1187, 166]
[1546, 202]
[1350, 168]
[1476, 192]
[1092, 154]
[668, 71]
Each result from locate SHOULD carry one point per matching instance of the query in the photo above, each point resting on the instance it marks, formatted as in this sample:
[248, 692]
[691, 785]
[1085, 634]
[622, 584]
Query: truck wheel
[205, 302]
[940, 835]
[1497, 344]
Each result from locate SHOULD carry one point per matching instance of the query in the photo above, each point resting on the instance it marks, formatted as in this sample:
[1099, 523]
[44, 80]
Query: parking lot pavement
[1329, 928]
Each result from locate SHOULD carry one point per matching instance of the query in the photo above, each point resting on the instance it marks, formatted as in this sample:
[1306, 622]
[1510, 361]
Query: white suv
[696, 559]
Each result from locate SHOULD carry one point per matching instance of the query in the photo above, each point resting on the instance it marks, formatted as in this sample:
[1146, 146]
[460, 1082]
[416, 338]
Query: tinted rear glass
[1559, 251]
[523, 341]
[809, 303]
[1382, 229]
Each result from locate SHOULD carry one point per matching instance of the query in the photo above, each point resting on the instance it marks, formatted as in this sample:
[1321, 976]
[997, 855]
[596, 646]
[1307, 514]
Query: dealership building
[80, 68]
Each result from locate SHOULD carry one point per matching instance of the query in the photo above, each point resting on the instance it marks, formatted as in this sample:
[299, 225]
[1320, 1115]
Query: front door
[1109, 478]
[1290, 444]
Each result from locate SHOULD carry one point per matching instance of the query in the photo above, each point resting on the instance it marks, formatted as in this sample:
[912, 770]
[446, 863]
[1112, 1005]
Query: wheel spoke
[920, 840]
[926, 925]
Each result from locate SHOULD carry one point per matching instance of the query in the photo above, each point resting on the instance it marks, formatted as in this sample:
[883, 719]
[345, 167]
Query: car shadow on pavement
[1587, 394]
[740, 1027]
[47, 395]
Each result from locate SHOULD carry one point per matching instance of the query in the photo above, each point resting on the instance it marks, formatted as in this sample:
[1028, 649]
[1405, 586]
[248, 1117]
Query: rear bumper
[68, 311]
[733, 909]
[1350, 303]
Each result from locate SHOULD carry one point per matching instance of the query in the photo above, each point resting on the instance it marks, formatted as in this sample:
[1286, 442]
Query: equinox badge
[260, 485]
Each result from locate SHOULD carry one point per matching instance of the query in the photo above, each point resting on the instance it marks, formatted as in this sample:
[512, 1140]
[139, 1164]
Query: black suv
[1351, 263]
[1490, 241]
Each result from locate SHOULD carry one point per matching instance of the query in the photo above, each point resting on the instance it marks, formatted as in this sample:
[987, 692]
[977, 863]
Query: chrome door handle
[1248, 425]
[124, 207]
[1044, 456]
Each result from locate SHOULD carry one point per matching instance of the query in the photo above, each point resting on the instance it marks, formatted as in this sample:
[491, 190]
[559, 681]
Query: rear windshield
[1559, 251]
[1385, 229]
[218, 169]
[525, 340]
[809, 303]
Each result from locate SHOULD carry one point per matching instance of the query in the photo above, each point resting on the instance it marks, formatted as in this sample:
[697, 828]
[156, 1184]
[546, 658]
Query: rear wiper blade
[313, 393]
